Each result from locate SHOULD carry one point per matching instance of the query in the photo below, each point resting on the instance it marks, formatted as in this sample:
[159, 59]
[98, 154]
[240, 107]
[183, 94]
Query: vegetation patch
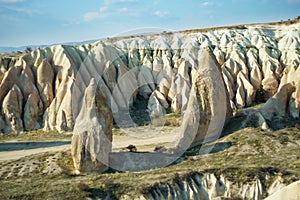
[240, 157]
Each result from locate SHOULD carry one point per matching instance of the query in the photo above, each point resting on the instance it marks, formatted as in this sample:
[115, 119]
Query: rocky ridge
[256, 62]
[208, 186]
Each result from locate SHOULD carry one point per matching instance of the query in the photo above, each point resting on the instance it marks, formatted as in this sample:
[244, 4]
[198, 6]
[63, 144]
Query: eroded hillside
[256, 61]
[248, 164]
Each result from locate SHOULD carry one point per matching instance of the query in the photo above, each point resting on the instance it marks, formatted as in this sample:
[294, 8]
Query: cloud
[204, 4]
[11, 1]
[123, 10]
[90, 16]
[103, 9]
[10, 18]
[102, 13]
[127, 1]
[23, 10]
[159, 13]
[109, 7]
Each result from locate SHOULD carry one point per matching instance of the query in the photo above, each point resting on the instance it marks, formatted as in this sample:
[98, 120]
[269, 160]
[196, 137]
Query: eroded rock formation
[205, 116]
[256, 62]
[209, 186]
[92, 134]
[274, 113]
[291, 191]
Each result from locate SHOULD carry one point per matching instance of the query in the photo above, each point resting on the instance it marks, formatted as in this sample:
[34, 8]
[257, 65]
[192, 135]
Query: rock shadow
[208, 148]
[17, 146]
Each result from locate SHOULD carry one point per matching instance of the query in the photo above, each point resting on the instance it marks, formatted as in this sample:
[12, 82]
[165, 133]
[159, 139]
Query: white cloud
[207, 3]
[161, 13]
[90, 16]
[111, 2]
[109, 7]
[23, 10]
[127, 1]
[204, 4]
[123, 10]
[11, 1]
[103, 9]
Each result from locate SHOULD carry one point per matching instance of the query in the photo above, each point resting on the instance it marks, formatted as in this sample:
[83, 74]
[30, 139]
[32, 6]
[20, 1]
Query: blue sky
[25, 22]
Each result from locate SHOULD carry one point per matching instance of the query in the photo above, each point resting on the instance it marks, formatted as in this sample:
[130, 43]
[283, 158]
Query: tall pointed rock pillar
[92, 134]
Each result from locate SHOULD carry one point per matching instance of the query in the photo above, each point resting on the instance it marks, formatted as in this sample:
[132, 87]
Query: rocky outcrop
[92, 134]
[278, 108]
[256, 61]
[12, 109]
[277, 105]
[205, 116]
[291, 191]
[209, 186]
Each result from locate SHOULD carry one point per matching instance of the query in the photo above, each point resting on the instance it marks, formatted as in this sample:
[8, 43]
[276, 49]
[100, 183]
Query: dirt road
[143, 139]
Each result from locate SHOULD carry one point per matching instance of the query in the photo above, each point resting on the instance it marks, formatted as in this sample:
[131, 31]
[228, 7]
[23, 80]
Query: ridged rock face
[205, 115]
[279, 102]
[291, 191]
[256, 61]
[12, 109]
[208, 186]
[92, 134]
[283, 104]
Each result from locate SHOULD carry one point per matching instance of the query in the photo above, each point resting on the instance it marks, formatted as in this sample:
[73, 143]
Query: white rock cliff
[256, 62]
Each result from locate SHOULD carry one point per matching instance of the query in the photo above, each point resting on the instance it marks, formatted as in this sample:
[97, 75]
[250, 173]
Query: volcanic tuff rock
[204, 117]
[291, 191]
[208, 186]
[277, 108]
[92, 134]
[256, 62]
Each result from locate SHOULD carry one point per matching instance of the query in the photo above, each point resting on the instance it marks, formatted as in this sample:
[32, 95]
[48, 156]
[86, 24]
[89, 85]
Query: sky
[37, 22]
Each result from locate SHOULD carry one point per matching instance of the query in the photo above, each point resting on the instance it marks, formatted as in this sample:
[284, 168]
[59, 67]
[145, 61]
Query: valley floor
[248, 158]
[19, 147]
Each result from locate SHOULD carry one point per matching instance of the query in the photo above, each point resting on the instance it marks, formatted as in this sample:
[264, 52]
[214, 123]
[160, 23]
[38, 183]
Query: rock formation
[291, 191]
[277, 105]
[205, 115]
[92, 134]
[278, 108]
[256, 61]
[12, 109]
[210, 186]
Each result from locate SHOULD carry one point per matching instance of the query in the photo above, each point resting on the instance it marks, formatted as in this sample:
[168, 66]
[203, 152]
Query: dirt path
[144, 140]
[12, 155]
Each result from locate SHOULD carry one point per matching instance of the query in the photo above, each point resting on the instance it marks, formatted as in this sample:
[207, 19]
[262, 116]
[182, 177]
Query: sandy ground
[143, 139]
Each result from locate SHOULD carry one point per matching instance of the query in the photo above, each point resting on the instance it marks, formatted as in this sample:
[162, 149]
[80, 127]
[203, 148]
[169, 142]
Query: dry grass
[35, 135]
[251, 153]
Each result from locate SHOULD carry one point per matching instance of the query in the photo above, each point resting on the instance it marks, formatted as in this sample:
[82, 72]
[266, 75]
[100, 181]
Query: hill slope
[256, 61]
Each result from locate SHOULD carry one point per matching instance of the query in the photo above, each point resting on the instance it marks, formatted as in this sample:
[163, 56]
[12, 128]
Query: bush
[260, 95]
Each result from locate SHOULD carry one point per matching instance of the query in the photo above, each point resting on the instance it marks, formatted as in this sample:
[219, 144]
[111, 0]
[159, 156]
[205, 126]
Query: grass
[35, 135]
[252, 153]
[118, 131]
[173, 119]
